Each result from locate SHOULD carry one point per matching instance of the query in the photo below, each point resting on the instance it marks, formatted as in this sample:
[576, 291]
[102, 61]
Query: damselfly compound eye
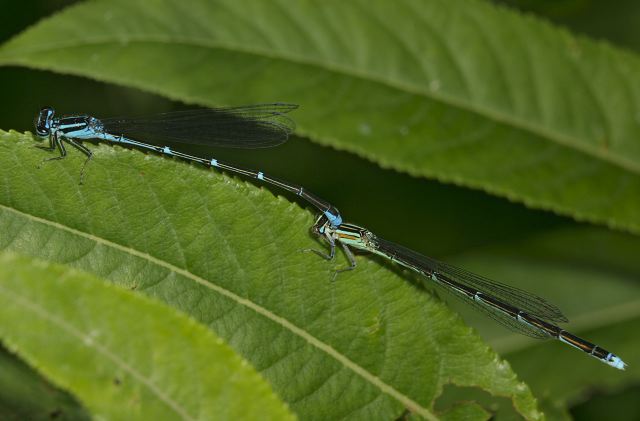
[43, 121]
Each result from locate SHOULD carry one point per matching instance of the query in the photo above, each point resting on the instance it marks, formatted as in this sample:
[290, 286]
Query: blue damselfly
[251, 126]
[514, 308]
[267, 125]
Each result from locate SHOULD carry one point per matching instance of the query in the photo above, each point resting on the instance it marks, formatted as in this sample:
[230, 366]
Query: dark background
[397, 206]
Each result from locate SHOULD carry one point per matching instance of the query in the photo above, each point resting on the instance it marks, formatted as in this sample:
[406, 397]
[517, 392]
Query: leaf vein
[566, 140]
[294, 329]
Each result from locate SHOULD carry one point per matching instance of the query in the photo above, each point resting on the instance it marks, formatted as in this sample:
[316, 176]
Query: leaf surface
[592, 275]
[461, 91]
[25, 395]
[229, 254]
[124, 355]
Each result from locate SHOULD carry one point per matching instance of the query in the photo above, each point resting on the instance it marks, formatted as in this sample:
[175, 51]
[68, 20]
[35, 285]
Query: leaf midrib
[369, 377]
[89, 341]
[491, 114]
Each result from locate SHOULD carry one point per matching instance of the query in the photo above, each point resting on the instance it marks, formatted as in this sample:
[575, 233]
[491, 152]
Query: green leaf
[593, 275]
[600, 407]
[124, 355]
[24, 395]
[549, 378]
[466, 411]
[596, 19]
[368, 344]
[460, 91]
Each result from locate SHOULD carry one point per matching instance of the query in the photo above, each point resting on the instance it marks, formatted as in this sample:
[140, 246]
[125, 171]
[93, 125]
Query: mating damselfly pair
[266, 125]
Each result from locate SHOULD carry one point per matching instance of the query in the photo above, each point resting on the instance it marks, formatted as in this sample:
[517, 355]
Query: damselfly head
[43, 121]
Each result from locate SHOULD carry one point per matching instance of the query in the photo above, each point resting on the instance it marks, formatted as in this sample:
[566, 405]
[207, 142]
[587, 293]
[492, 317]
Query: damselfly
[251, 126]
[266, 125]
[516, 309]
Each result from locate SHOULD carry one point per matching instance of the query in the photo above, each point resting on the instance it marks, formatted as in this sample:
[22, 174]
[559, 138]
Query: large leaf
[24, 395]
[228, 254]
[124, 355]
[457, 90]
[622, 406]
[599, 20]
[593, 274]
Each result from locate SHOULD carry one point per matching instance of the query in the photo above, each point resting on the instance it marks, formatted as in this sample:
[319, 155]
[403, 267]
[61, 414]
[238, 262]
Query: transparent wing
[250, 126]
[523, 300]
[514, 297]
[500, 317]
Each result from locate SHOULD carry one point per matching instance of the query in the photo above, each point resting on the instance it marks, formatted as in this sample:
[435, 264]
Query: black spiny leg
[85, 151]
[316, 229]
[324, 255]
[350, 257]
[54, 142]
